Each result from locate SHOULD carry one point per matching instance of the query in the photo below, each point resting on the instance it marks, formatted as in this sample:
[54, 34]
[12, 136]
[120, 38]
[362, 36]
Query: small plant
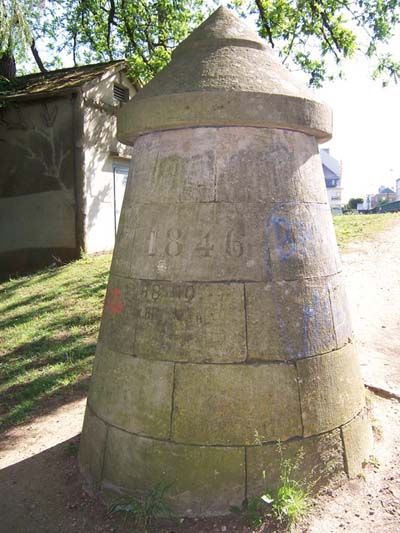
[252, 512]
[287, 504]
[71, 449]
[373, 461]
[291, 500]
[143, 510]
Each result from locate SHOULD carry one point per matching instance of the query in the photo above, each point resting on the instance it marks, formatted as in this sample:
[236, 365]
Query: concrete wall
[102, 152]
[36, 184]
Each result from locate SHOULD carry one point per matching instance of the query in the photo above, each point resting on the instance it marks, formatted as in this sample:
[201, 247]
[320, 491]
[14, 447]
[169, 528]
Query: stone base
[208, 480]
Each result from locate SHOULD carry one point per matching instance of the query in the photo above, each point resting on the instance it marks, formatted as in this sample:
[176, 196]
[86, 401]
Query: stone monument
[225, 315]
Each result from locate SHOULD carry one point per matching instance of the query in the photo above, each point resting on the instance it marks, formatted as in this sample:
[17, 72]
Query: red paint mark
[114, 301]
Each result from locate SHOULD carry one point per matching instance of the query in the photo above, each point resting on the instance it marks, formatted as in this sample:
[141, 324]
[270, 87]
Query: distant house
[333, 179]
[385, 195]
[62, 172]
[398, 189]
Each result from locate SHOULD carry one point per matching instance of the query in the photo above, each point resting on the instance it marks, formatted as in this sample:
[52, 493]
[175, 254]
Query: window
[121, 94]
[331, 183]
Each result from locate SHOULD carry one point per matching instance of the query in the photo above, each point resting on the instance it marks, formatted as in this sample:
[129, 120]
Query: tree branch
[36, 55]
[264, 22]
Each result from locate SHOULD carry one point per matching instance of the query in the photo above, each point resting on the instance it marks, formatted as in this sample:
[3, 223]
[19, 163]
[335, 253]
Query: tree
[17, 22]
[315, 35]
[352, 203]
[144, 32]
[318, 35]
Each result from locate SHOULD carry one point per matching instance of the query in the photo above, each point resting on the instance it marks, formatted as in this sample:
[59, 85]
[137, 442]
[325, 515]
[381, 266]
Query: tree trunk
[7, 65]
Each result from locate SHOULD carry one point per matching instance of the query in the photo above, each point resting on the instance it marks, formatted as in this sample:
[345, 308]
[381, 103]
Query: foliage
[143, 32]
[352, 203]
[291, 501]
[251, 512]
[144, 510]
[313, 35]
[317, 35]
[48, 331]
[20, 20]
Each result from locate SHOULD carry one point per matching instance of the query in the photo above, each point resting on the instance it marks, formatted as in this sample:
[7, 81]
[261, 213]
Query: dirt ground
[40, 486]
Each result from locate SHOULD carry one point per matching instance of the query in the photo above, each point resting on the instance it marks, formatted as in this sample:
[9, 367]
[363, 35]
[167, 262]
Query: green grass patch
[351, 228]
[49, 323]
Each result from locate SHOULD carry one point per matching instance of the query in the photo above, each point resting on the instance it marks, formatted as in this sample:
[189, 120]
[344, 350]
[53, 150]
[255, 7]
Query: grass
[351, 228]
[49, 323]
[143, 510]
[287, 504]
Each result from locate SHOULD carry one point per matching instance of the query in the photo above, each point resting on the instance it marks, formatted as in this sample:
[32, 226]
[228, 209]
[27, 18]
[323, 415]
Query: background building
[333, 176]
[63, 173]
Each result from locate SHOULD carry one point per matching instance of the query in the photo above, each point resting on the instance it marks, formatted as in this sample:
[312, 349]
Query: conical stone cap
[223, 74]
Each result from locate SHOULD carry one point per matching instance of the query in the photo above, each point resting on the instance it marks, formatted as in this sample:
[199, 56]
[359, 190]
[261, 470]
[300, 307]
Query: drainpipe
[79, 171]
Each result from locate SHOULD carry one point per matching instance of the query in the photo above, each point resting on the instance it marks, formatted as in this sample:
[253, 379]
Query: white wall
[102, 151]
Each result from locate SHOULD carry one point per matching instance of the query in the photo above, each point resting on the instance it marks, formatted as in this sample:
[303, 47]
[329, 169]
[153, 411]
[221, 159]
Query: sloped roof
[330, 163]
[329, 174]
[56, 81]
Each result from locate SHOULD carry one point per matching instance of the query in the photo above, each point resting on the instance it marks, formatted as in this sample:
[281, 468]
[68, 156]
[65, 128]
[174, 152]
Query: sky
[366, 123]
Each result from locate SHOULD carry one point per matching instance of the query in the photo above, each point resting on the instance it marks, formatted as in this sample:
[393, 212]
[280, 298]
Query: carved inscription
[158, 299]
[175, 244]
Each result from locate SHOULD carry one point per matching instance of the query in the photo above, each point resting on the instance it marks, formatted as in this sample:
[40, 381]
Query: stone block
[131, 393]
[92, 447]
[331, 390]
[253, 163]
[288, 320]
[315, 461]
[204, 480]
[192, 322]
[340, 311]
[299, 242]
[202, 242]
[177, 166]
[123, 253]
[358, 443]
[227, 404]
[118, 322]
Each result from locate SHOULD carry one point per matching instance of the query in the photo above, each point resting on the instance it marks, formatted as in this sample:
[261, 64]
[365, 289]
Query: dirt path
[40, 486]
[372, 274]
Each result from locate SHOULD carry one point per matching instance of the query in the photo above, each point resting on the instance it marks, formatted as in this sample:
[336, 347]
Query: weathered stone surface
[299, 241]
[131, 393]
[315, 461]
[232, 241]
[123, 249]
[177, 167]
[91, 449]
[227, 404]
[205, 480]
[253, 163]
[191, 322]
[358, 443]
[244, 165]
[340, 310]
[224, 75]
[289, 320]
[331, 390]
[118, 322]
